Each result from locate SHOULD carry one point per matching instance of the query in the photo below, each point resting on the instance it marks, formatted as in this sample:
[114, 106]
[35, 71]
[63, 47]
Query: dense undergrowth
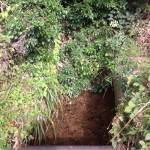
[52, 48]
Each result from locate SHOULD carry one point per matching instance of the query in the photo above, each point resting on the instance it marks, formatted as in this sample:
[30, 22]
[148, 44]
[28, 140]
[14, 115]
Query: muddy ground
[85, 120]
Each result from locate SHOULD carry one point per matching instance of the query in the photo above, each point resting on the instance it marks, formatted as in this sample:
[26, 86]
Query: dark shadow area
[85, 120]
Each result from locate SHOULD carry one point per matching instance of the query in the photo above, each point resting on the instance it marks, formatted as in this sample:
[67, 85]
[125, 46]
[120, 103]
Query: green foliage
[83, 57]
[124, 19]
[29, 89]
[121, 49]
[32, 25]
[91, 12]
[71, 82]
[30, 86]
[99, 45]
[79, 15]
[132, 124]
[96, 52]
[27, 100]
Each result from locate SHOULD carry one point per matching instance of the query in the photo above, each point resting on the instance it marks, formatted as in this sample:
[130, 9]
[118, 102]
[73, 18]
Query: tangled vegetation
[51, 48]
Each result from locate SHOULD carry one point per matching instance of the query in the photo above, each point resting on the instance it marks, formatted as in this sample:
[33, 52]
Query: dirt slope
[85, 120]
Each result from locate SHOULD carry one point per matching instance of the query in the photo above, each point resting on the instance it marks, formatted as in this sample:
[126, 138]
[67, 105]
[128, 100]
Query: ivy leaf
[116, 130]
[22, 134]
[147, 137]
[131, 115]
[121, 118]
[132, 132]
[142, 143]
[128, 109]
[114, 143]
[142, 88]
[131, 104]
[136, 84]
[31, 137]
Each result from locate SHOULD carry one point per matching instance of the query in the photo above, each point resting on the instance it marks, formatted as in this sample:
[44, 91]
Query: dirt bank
[85, 120]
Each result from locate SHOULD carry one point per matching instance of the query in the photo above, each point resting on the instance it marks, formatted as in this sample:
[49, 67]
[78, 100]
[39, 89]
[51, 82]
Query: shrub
[83, 57]
[131, 125]
[29, 89]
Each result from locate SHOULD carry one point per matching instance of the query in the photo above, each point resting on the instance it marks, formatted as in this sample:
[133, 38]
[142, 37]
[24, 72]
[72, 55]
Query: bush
[83, 57]
[131, 125]
[97, 42]
[29, 89]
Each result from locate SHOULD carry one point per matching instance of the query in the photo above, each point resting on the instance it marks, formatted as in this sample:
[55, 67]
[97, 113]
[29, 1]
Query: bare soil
[85, 120]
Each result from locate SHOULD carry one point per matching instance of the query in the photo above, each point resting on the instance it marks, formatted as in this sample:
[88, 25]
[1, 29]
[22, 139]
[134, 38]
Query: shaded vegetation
[52, 48]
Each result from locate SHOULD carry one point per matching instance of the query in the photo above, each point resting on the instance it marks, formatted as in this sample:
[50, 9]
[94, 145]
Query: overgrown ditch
[85, 120]
[49, 49]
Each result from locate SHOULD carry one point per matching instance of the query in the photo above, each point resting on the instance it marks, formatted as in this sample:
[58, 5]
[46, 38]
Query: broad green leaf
[22, 134]
[31, 137]
[142, 88]
[132, 132]
[143, 144]
[121, 118]
[8, 9]
[136, 84]
[114, 143]
[131, 104]
[128, 109]
[147, 137]
[131, 115]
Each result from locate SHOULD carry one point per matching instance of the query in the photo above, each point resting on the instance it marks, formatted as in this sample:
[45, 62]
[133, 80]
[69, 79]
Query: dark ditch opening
[85, 120]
